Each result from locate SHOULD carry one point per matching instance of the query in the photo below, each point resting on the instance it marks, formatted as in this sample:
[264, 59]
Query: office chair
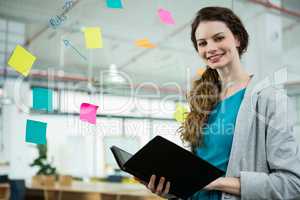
[17, 188]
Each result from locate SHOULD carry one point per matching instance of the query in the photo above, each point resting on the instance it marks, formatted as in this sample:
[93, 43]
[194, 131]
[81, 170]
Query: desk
[96, 191]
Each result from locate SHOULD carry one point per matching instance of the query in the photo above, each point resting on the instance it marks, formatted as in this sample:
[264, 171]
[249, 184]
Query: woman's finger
[151, 184]
[167, 188]
[160, 186]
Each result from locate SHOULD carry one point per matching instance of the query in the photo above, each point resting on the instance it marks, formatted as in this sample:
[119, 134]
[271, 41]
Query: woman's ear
[237, 42]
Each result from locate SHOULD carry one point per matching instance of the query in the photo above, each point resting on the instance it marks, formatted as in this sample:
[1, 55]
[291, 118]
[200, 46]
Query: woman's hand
[214, 185]
[225, 184]
[162, 188]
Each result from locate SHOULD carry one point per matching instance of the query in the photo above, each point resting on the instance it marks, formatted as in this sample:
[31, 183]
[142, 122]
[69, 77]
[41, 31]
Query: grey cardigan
[264, 155]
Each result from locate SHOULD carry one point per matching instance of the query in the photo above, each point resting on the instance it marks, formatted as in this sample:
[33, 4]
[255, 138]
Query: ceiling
[173, 61]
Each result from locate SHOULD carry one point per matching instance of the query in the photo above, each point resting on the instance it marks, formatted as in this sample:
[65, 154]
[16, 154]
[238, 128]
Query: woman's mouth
[215, 58]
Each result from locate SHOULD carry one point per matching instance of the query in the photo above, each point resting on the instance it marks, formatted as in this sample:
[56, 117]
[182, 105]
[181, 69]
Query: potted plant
[46, 174]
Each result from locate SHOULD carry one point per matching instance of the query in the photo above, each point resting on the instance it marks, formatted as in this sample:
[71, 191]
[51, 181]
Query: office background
[136, 88]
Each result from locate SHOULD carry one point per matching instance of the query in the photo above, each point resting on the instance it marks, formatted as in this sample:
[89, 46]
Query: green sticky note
[36, 132]
[42, 99]
[114, 4]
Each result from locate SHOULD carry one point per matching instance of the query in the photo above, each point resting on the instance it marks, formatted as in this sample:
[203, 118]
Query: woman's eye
[219, 38]
[201, 44]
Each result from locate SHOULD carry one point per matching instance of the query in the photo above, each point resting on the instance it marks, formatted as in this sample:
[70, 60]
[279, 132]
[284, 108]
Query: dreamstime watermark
[133, 100]
[115, 127]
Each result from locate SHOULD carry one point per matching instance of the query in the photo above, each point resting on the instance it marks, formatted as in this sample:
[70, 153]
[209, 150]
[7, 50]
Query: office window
[140, 107]
[129, 144]
[109, 127]
[2, 44]
[15, 39]
[137, 128]
[167, 129]
[298, 109]
[75, 156]
[2, 59]
[162, 109]
[16, 27]
[116, 105]
[11, 34]
[70, 100]
[75, 99]
[2, 24]
[64, 101]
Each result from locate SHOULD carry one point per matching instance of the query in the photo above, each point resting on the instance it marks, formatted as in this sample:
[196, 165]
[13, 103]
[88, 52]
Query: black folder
[186, 172]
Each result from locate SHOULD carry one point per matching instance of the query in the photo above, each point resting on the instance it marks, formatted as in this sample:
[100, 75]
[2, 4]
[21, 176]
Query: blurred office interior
[137, 89]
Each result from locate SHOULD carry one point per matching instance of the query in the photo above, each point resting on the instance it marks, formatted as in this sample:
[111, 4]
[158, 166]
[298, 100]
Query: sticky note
[88, 112]
[21, 60]
[180, 113]
[165, 16]
[201, 70]
[93, 38]
[114, 4]
[36, 132]
[145, 43]
[42, 99]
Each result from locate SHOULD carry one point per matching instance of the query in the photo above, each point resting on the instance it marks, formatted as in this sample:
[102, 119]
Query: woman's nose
[211, 47]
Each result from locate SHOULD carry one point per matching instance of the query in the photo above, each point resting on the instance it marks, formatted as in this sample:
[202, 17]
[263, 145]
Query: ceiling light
[113, 77]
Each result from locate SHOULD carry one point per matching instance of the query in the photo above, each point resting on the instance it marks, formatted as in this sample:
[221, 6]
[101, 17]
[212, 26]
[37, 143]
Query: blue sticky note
[114, 4]
[42, 99]
[36, 132]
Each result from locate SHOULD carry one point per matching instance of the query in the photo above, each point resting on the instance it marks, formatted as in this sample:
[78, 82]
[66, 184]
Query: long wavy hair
[205, 91]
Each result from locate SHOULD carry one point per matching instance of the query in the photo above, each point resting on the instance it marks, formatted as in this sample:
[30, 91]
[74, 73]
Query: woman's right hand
[162, 188]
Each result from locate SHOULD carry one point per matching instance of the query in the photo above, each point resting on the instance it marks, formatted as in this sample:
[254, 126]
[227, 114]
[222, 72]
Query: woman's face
[216, 44]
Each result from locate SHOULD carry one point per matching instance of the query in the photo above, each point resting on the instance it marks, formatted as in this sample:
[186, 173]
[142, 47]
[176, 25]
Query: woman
[232, 124]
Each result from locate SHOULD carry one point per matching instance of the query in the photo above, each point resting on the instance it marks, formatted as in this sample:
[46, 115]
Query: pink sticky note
[88, 112]
[165, 16]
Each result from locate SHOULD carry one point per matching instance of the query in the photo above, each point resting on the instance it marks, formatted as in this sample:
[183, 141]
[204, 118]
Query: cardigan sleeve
[283, 156]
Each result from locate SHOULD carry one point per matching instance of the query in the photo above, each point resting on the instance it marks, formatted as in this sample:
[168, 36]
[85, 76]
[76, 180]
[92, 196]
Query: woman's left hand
[214, 185]
[225, 184]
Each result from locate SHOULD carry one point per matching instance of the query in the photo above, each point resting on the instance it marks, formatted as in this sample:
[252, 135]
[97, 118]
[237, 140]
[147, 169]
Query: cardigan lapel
[245, 117]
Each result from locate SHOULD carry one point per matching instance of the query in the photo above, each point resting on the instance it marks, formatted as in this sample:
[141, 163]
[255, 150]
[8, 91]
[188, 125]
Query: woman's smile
[215, 58]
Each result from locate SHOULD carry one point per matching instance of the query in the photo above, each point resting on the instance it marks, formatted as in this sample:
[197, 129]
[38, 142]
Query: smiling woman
[258, 150]
[220, 39]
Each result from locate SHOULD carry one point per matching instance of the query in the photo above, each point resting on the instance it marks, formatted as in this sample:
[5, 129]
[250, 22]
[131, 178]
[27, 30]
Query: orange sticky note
[93, 38]
[201, 70]
[21, 60]
[145, 43]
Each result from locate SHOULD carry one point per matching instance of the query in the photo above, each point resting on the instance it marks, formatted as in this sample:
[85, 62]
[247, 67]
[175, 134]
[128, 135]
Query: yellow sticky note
[21, 60]
[93, 38]
[180, 113]
[145, 43]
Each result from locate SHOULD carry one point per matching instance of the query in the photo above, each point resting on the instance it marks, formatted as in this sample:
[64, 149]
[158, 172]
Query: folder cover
[186, 172]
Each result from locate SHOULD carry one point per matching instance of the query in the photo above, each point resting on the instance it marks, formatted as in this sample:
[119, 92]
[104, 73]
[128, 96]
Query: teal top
[218, 135]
